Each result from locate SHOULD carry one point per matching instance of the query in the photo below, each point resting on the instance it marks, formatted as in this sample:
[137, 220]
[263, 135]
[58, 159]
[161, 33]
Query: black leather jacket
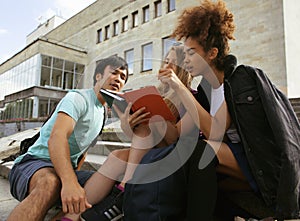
[270, 134]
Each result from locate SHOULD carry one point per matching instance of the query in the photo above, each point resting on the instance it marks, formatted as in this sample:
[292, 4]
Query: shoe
[109, 209]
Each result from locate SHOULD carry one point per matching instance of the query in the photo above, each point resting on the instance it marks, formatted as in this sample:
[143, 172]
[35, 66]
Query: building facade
[62, 57]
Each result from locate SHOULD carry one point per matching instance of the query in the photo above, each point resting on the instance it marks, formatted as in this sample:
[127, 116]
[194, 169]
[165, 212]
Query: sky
[18, 18]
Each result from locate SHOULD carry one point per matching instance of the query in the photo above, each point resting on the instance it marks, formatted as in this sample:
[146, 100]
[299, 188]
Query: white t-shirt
[217, 98]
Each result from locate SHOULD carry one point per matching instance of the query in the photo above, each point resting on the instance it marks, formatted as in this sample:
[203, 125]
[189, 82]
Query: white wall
[292, 41]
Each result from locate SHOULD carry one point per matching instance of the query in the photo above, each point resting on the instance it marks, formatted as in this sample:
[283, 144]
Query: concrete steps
[295, 102]
[94, 159]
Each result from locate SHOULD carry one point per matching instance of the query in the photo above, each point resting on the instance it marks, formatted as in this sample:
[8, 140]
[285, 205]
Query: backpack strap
[100, 132]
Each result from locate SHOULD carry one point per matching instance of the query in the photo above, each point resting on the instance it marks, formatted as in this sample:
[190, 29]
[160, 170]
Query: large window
[158, 8]
[171, 5]
[124, 23]
[39, 70]
[147, 57]
[116, 28]
[99, 36]
[20, 109]
[146, 14]
[20, 77]
[129, 57]
[59, 73]
[135, 19]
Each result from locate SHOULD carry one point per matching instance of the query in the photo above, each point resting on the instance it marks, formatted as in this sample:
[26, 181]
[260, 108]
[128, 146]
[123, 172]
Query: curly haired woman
[206, 31]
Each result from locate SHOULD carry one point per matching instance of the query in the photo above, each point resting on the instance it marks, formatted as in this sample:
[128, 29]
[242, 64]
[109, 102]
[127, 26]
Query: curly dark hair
[211, 24]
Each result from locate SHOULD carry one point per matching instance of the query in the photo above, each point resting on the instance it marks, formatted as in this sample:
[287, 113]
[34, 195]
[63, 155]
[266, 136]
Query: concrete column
[35, 111]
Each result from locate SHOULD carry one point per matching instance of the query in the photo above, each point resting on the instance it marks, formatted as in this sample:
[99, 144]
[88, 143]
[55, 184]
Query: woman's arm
[213, 127]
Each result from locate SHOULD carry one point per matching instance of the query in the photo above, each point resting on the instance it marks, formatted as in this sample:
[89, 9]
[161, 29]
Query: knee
[120, 154]
[46, 184]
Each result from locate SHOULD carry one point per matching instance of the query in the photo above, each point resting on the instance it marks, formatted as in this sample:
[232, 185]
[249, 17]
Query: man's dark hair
[114, 61]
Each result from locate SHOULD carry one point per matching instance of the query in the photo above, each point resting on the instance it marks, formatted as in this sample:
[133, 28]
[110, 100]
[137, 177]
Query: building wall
[260, 39]
[266, 37]
[44, 28]
[47, 48]
[7, 129]
[260, 35]
[292, 49]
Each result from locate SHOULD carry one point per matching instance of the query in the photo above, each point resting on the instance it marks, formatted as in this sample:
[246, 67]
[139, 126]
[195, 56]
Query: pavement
[7, 202]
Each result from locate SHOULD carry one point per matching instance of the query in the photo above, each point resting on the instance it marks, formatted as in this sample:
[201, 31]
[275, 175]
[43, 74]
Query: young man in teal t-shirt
[47, 171]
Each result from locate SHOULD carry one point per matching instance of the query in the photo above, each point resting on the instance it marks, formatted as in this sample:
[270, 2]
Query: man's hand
[73, 198]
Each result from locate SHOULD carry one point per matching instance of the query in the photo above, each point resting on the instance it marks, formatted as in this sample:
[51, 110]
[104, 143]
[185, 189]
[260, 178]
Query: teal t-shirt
[88, 113]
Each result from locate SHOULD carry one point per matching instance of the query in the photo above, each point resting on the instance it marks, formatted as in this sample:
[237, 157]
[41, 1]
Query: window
[146, 15]
[107, 35]
[167, 44]
[125, 24]
[116, 28]
[60, 73]
[158, 7]
[135, 19]
[171, 5]
[129, 56]
[147, 57]
[99, 36]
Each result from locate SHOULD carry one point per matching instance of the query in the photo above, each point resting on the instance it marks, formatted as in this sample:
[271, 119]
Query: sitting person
[46, 173]
[242, 129]
[101, 190]
[243, 149]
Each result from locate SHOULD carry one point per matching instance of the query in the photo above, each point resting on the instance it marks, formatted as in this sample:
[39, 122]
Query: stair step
[93, 162]
[105, 147]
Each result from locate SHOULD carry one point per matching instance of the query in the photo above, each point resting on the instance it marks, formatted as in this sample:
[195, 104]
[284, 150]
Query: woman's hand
[130, 121]
[167, 76]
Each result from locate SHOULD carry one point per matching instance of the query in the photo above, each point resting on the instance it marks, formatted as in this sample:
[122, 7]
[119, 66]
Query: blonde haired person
[101, 189]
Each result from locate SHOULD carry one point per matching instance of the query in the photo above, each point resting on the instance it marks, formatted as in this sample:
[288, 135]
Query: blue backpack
[163, 199]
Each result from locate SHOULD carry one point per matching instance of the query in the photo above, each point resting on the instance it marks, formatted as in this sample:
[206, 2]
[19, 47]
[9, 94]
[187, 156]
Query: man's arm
[72, 194]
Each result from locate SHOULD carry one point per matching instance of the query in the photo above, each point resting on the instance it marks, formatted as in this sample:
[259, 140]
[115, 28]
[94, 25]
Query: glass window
[135, 19]
[45, 76]
[158, 8]
[147, 57]
[146, 15]
[99, 35]
[51, 72]
[171, 5]
[167, 44]
[68, 80]
[58, 63]
[107, 34]
[56, 78]
[69, 66]
[125, 24]
[129, 56]
[116, 28]
[46, 61]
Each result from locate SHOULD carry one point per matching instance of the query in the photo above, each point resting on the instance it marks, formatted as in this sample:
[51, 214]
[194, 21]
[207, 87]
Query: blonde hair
[185, 77]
